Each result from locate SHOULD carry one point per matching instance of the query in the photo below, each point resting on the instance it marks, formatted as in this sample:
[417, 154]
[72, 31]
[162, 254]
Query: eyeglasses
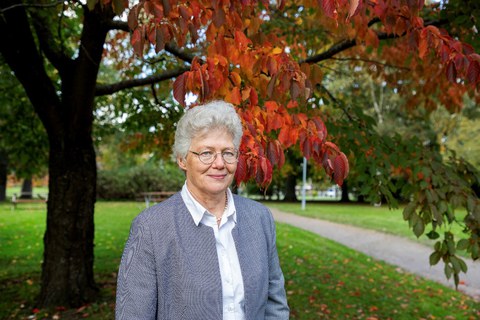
[209, 156]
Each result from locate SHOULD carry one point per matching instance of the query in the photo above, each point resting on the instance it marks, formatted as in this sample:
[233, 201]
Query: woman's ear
[182, 163]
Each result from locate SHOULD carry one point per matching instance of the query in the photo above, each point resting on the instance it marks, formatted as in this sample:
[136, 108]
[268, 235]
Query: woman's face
[209, 180]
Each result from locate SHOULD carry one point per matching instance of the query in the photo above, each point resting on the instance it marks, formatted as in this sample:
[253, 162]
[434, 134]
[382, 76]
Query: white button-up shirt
[232, 281]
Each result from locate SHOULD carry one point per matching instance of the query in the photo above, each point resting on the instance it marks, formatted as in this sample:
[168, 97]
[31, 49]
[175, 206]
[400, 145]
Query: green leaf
[448, 271]
[408, 210]
[118, 6]
[470, 204]
[455, 264]
[456, 278]
[475, 251]
[451, 246]
[433, 235]
[463, 265]
[419, 228]
[463, 244]
[91, 4]
[435, 257]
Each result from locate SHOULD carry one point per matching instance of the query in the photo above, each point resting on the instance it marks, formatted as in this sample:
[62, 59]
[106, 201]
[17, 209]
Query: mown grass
[365, 216]
[324, 280]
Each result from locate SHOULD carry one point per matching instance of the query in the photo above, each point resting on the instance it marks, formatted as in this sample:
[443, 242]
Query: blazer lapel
[240, 235]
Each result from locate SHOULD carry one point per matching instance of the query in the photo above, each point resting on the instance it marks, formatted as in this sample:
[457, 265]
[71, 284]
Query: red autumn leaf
[340, 168]
[328, 7]
[235, 96]
[285, 137]
[321, 129]
[422, 44]
[275, 153]
[264, 172]
[331, 146]
[219, 18]
[138, 41]
[159, 40]
[241, 173]
[473, 72]
[292, 104]
[253, 97]
[451, 71]
[353, 8]
[271, 85]
[133, 18]
[271, 106]
[295, 89]
[306, 148]
[179, 89]
[242, 40]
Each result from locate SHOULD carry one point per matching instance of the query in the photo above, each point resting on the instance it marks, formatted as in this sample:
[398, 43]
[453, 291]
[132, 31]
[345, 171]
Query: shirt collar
[197, 211]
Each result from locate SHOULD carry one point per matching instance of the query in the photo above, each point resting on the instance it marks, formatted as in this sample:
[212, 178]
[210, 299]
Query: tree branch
[50, 48]
[33, 5]
[346, 44]
[372, 61]
[169, 47]
[102, 90]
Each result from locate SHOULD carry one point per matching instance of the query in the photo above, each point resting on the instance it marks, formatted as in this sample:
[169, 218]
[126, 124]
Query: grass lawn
[365, 216]
[324, 280]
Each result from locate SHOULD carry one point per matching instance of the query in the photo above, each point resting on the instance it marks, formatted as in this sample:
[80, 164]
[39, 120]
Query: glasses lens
[229, 156]
[206, 157]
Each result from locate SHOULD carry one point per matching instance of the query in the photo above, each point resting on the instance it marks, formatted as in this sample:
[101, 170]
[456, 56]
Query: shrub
[127, 183]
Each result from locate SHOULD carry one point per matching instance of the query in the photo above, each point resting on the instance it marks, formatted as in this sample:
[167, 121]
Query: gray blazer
[169, 268]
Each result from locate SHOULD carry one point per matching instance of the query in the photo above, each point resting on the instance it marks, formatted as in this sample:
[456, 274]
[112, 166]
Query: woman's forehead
[213, 138]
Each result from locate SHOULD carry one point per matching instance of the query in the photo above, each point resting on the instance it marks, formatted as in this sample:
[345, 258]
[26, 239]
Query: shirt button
[230, 307]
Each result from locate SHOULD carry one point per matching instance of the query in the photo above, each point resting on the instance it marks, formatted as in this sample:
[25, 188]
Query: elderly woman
[204, 253]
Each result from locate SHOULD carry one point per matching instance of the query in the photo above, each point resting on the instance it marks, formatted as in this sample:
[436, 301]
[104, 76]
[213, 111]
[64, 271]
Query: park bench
[155, 196]
[18, 200]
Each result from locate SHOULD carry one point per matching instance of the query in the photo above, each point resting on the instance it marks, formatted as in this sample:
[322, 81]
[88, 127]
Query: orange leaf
[422, 44]
[235, 96]
[253, 97]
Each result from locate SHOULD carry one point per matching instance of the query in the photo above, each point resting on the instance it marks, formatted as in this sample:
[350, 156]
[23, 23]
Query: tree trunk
[67, 270]
[290, 184]
[27, 189]
[344, 198]
[3, 176]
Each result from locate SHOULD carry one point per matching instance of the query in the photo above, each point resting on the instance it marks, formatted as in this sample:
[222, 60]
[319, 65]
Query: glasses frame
[215, 154]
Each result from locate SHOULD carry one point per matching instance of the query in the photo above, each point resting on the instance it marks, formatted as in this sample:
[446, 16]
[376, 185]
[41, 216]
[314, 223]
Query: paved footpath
[404, 253]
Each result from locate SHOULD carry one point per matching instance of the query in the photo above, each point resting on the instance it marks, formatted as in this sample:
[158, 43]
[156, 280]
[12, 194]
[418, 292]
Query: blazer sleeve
[277, 307]
[137, 282]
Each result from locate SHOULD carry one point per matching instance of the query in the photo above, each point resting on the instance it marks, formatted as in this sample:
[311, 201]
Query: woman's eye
[206, 153]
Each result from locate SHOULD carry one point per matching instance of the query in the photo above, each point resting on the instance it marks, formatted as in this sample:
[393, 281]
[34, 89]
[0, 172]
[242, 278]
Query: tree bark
[290, 184]
[27, 189]
[344, 198]
[67, 270]
[3, 176]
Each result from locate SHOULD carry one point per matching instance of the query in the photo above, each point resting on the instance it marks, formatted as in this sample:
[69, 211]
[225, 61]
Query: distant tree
[23, 141]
